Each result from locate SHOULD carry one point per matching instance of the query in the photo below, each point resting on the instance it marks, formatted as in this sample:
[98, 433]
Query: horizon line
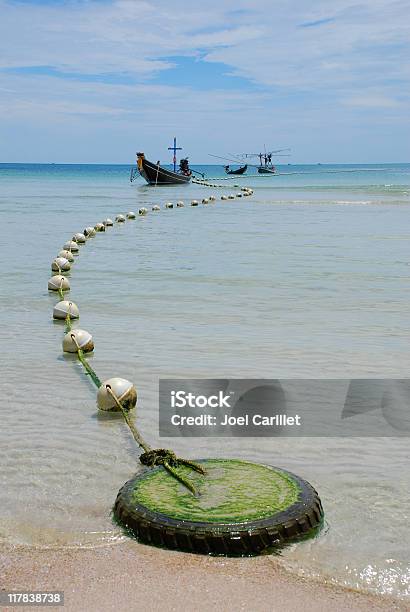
[299, 163]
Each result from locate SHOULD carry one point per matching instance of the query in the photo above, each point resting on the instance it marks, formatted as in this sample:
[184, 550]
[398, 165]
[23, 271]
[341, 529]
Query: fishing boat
[240, 170]
[267, 169]
[265, 160]
[155, 174]
[265, 165]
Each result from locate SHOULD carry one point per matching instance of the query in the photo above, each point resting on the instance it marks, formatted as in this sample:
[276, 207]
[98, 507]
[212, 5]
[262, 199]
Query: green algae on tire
[243, 508]
[230, 492]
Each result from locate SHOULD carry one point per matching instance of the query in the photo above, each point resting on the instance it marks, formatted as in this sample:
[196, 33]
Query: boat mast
[175, 149]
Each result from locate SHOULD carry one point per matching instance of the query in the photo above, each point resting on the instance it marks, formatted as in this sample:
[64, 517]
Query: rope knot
[169, 460]
[159, 456]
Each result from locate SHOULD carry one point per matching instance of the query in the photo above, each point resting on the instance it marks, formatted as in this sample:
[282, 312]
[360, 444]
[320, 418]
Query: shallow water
[308, 278]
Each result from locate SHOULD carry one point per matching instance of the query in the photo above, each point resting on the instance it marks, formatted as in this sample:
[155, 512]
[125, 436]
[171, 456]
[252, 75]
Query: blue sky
[96, 80]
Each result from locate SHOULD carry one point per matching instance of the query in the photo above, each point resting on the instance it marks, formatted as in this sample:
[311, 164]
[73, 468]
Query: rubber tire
[301, 519]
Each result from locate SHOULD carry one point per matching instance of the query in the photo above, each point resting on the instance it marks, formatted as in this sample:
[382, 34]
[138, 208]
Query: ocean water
[310, 277]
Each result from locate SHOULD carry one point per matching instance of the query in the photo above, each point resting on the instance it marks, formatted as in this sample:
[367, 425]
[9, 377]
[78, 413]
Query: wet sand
[130, 576]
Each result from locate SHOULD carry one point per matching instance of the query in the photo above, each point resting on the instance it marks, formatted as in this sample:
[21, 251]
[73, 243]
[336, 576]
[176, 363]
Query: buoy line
[206, 183]
[261, 507]
[115, 394]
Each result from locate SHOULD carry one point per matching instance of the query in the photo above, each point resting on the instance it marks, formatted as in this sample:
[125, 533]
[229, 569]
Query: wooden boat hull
[263, 170]
[155, 174]
[241, 170]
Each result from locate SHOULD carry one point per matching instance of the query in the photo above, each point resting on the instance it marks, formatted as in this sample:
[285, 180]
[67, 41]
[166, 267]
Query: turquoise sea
[308, 278]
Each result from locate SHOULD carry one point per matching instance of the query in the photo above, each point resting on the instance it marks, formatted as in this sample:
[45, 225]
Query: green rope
[68, 326]
[168, 459]
[80, 353]
[60, 289]
[150, 457]
[89, 369]
[181, 479]
[135, 433]
[161, 456]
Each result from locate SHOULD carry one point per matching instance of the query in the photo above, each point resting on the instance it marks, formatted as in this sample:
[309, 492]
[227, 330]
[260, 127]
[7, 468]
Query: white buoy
[238, 195]
[194, 203]
[120, 219]
[108, 222]
[143, 211]
[99, 227]
[67, 255]
[71, 246]
[64, 307]
[58, 282]
[224, 197]
[212, 198]
[123, 390]
[83, 338]
[205, 200]
[79, 238]
[169, 205]
[60, 264]
[156, 207]
[89, 232]
[131, 215]
[231, 196]
[180, 204]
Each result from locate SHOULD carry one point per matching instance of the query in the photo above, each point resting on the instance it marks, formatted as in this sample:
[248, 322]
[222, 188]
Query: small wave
[310, 202]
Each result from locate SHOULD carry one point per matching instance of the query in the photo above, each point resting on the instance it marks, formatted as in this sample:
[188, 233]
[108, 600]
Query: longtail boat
[155, 174]
[240, 170]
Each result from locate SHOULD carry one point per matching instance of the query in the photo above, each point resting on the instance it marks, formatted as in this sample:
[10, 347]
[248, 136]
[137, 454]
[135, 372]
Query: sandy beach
[131, 576]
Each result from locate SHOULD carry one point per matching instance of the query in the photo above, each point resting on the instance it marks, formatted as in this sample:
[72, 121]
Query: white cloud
[357, 43]
[374, 100]
[361, 44]
[92, 37]
[51, 99]
[265, 43]
[355, 58]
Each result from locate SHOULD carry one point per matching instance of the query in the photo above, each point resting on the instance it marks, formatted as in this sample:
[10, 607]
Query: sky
[93, 81]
